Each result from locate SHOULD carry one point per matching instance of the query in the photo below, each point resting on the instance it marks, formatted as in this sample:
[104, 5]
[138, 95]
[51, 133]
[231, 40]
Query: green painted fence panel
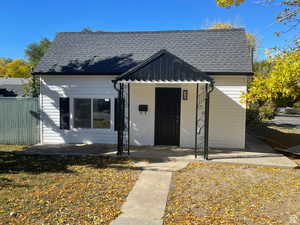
[19, 121]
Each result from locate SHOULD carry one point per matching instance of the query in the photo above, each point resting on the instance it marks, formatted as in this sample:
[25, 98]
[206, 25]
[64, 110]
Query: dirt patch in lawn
[12, 148]
[214, 193]
[63, 190]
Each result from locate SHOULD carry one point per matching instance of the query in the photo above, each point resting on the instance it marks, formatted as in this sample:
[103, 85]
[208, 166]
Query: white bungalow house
[179, 87]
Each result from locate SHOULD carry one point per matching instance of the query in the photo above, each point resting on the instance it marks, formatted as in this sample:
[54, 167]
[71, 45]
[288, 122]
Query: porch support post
[128, 119]
[121, 120]
[196, 119]
[206, 123]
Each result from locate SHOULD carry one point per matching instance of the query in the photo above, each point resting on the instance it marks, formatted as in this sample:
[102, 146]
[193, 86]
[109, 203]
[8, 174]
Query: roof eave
[114, 74]
[75, 73]
[231, 73]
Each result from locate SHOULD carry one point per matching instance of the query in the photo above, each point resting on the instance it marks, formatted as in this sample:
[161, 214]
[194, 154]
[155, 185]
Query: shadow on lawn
[11, 163]
[275, 137]
[4, 182]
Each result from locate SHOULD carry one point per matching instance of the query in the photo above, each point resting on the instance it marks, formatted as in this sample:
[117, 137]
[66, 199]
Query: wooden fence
[19, 121]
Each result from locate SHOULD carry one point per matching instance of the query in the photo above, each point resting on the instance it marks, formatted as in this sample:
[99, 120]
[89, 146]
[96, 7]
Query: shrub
[252, 116]
[256, 114]
[266, 112]
[297, 105]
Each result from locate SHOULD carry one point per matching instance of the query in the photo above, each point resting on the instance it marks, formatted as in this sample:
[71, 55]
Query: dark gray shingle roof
[13, 84]
[116, 52]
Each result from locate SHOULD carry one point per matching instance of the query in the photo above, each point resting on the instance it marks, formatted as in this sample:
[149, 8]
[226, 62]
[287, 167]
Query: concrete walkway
[145, 204]
[257, 153]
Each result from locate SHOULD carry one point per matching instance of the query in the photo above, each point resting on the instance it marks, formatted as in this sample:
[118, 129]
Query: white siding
[227, 113]
[142, 124]
[54, 87]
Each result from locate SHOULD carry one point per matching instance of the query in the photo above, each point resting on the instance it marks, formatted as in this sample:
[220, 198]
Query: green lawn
[62, 190]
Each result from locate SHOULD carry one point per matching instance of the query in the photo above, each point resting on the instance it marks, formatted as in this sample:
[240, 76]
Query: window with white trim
[92, 113]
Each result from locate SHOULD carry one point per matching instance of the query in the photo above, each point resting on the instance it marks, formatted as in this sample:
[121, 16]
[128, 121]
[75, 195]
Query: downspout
[206, 130]
[252, 57]
[212, 87]
[41, 104]
[128, 120]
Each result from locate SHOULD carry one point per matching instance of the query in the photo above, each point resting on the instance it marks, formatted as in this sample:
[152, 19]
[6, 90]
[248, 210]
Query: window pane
[82, 113]
[101, 113]
[64, 113]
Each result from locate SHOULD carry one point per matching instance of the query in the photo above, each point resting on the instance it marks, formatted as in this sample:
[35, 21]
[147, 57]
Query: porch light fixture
[185, 95]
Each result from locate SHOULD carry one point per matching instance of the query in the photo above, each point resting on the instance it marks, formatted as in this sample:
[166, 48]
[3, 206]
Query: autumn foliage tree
[281, 86]
[3, 63]
[18, 68]
[251, 39]
[14, 68]
[290, 15]
[229, 3]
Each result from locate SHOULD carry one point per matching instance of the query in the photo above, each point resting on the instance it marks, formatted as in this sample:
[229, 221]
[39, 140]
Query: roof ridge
[158, 31]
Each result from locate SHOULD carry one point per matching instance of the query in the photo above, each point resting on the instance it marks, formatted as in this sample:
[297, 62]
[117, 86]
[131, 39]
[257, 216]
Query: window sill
[92, 129]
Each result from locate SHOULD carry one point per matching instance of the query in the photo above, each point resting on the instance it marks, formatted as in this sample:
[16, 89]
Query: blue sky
[26, 21]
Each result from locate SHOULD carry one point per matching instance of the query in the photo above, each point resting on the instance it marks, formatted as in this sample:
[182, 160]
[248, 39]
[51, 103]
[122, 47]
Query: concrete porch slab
[256, 153]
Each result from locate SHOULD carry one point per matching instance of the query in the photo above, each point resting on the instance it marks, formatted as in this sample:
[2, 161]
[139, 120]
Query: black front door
[167, 116]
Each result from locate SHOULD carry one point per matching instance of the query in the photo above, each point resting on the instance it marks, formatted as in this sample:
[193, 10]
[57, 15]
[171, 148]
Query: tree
[290, 14]
[89, 30]
[262, 67]
[219, 25]
[17, 68]
[35, 51]
[32, 87]
[229, 3]
[3, 63]
[281, 86]
[251, 39]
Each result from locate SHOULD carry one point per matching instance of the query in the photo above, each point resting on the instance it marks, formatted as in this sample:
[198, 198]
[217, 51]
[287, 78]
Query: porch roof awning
[164, 67]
